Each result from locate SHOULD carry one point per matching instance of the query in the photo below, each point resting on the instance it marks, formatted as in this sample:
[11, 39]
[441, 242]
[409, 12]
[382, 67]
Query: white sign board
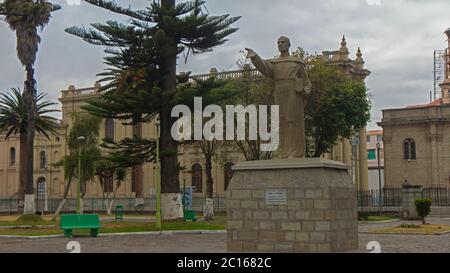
[276, 197]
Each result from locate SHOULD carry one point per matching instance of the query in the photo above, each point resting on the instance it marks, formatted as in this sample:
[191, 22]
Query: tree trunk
[30, 106]
[170, 184]
[109, 208]
[81, 206]
[318, 151]
[208, 208]
[138, 170]
[22, 158]
[63, 201]
[209, 178]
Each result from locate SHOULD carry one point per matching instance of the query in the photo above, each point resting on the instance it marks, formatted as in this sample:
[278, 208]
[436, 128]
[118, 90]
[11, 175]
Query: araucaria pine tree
[142, 79]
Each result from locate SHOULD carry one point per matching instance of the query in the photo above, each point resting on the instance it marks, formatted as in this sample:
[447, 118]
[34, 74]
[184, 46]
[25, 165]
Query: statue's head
[284, 44]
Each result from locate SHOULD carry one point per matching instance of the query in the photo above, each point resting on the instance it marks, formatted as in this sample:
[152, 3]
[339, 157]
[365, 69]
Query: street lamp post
[80, 140]
[379, 179]
[158, 180]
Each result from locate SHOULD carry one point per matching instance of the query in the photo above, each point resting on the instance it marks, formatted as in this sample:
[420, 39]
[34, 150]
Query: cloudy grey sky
[397, 38]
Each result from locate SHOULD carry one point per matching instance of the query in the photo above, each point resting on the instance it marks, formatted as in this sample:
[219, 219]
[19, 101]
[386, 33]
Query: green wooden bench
[69, 222]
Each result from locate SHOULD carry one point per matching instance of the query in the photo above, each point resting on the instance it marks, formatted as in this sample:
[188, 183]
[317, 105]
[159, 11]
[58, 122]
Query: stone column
[340, 151]
[409, 196]
[363, 165]
[356, 174]
[347, 151]
[433, 138]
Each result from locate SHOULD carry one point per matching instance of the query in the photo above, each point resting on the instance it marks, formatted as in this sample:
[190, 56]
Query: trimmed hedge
[423, 207]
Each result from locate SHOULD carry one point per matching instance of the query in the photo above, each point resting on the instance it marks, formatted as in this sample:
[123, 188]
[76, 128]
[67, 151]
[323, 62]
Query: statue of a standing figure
[291, 85]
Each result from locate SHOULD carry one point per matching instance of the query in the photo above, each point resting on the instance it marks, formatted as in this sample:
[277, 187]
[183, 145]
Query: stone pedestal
[409, 195]
[292, 205]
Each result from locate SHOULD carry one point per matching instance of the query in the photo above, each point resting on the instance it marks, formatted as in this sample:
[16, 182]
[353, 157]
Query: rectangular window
[371, 154]
[368, 138]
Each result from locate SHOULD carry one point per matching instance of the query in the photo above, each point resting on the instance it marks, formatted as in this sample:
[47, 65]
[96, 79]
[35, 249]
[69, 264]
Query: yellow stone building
[50, 182]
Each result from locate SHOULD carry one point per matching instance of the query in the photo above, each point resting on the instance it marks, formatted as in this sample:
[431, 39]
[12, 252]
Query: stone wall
[319, 215]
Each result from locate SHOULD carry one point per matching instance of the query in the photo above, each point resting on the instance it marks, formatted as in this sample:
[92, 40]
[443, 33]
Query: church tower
[445, 86]
[343, 151]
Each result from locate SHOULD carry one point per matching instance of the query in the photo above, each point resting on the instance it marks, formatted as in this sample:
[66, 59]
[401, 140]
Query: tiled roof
[434, 103]
[375, 132]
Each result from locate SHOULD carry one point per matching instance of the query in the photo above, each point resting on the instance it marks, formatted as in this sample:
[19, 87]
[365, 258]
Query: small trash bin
[119, 212]
[190, 215]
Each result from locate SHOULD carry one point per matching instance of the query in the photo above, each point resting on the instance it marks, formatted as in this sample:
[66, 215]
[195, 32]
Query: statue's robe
[291, 85]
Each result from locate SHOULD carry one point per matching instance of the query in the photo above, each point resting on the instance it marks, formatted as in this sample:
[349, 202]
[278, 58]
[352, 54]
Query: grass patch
[427, 229]
[30, 231]
[118, 227]
[378, 218]
[28, 220]
[409, 226]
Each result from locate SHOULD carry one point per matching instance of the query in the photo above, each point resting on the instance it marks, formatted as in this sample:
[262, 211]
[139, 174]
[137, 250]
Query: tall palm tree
[14, 121]
[25, 17]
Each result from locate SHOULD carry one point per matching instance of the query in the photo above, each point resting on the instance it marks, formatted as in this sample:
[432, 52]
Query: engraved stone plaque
[276, 197]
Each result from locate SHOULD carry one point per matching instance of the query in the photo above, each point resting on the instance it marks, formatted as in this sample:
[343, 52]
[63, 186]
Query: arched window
[409, 149]
[12, 156]
[197, 179]
[109, 129]
[228, 173]
[42, 160]
[56, 156]
[41, 188]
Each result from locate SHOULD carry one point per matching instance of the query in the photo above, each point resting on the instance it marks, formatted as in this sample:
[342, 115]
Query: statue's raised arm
[263, 66]
[250, 53]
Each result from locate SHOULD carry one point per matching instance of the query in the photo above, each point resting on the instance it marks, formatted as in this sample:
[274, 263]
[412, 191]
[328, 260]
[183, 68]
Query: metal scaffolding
[439, 71]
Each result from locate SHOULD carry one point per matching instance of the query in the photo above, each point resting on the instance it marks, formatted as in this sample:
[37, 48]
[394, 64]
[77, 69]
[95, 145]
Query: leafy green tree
[87, 126]
[145, 51]
[107, 170]
[14, 121]
[25, 17]
[338, 106]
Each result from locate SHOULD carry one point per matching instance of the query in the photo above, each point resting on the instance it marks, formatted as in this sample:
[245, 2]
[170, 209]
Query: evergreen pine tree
[142, 79]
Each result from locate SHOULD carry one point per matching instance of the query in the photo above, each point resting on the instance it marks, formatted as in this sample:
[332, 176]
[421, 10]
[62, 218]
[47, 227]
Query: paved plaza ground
[213, 243]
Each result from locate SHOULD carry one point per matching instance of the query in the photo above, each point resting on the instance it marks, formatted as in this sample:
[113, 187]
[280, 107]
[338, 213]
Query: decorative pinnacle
[447, 32]
[359, 60]
[343, 43]
[359, 54]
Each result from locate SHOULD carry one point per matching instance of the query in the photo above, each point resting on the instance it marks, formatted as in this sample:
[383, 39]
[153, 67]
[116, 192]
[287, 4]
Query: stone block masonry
[317, 213]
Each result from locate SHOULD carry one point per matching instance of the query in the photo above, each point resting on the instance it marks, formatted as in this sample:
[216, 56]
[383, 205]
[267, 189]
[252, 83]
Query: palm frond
[13, 114]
